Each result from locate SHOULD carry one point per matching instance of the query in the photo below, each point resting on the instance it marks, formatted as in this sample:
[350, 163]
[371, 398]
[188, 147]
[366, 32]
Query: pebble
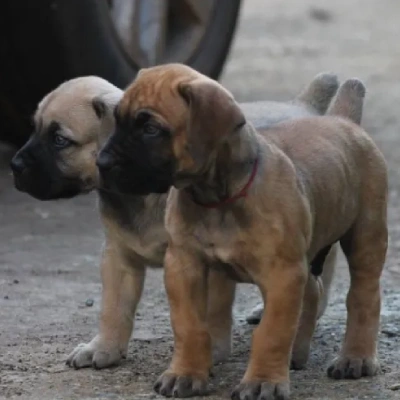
[396, 386]
[89, 302]
[390, 333]
[320, 14]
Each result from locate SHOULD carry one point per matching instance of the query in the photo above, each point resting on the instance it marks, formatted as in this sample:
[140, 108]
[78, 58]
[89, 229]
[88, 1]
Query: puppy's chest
[148, 241]
[223, 249]
[214, 243]
[136, 225]
[152, 251]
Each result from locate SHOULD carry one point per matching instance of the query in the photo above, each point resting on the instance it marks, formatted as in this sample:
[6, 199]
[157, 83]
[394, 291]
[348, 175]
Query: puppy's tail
[349, 101]
[319, 93]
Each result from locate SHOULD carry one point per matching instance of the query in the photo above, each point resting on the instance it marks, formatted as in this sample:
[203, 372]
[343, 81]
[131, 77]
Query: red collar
[243, 192]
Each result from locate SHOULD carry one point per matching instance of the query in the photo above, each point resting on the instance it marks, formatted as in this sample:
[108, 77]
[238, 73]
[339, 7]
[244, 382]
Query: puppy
[260, 208]
[71, 124]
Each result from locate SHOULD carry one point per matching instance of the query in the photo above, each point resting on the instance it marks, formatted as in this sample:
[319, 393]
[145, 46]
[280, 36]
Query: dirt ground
[49, 252]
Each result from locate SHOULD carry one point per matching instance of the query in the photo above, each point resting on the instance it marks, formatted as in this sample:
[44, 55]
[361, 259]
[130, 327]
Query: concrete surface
[49, 251]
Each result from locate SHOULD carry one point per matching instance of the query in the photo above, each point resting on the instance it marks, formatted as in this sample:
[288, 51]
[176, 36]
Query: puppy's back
[336, 163]
[316, 138]
[338, 134]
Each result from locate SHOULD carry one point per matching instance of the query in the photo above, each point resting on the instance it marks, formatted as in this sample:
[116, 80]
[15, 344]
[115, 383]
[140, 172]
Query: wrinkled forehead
[157, 90]
[72, 112]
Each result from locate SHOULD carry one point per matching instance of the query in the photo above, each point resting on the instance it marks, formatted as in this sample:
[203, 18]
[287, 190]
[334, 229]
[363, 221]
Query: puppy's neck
[133, 212]
[232, 169]
[106, 127]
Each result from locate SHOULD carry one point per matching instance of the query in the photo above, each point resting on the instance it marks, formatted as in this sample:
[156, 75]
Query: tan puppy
[260, 208]
[72, 122]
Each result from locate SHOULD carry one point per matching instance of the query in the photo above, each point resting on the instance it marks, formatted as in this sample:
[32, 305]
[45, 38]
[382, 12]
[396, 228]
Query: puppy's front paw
[172, 385]
[353, 368]
[94, 354]
[261, 391]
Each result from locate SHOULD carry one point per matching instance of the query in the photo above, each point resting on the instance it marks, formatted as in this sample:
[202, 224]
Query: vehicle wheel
[45, 42]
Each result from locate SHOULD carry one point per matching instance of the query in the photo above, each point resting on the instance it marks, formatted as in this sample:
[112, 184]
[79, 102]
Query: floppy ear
[106, 103]
[214, 114]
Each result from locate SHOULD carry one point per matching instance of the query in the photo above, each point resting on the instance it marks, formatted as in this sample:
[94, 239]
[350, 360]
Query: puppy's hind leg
[305, 330]
[365, 248]
[122, 279]
[221, 295]
[327, 278]
[325, 282]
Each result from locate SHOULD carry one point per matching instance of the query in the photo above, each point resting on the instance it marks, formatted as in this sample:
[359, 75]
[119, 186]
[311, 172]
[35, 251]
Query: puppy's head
[169, 125]
[59, 160]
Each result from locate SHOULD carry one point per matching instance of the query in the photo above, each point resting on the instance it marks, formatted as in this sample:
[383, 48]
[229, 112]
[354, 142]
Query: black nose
[105, 161]
[17, 165]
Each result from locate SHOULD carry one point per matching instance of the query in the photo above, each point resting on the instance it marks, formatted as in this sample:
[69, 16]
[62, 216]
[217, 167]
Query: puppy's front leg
[267, 375]
[221, 295]
[186, 285]
[122, 279]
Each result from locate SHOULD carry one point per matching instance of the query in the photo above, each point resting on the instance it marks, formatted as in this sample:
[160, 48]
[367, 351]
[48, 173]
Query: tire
[45, 42]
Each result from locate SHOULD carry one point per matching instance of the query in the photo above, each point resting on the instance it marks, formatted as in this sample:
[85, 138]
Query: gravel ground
[49, 252]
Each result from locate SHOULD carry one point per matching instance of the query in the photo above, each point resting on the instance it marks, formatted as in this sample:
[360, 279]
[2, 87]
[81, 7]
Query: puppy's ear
[105, 104]
[99, 107]
[214, 114]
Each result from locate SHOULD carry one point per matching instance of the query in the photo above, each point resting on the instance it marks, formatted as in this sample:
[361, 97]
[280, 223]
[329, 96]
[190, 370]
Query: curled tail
[319, 93]
[349, 101]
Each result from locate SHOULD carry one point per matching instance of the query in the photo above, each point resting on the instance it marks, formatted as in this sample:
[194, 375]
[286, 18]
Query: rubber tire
[45, 42]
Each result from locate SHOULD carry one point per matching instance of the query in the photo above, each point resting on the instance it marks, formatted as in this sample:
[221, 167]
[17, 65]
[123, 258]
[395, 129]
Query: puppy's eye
[60, 141]
[150, 129]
